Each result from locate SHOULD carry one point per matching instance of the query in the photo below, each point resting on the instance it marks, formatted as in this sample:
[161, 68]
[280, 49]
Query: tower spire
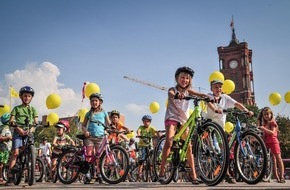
[234, 40]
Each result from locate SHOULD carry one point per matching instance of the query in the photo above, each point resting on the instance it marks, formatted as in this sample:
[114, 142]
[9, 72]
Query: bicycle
[250, 153]
[26, 159]
[211, 159]
[147, 163]
[113, 162]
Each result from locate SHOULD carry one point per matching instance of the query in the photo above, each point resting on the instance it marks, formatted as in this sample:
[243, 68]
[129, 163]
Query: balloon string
[283, 108]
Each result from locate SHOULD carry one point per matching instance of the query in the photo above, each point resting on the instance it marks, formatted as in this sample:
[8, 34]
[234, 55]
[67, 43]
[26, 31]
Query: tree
[284, 135]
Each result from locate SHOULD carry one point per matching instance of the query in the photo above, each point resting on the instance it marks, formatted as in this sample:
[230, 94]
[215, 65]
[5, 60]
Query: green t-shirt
[21, 112]
[147, 132]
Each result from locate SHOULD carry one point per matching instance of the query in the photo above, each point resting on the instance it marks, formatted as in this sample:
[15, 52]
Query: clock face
[233, 64]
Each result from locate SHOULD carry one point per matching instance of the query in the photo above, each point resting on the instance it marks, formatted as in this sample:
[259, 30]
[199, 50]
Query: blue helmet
[146, 117]
[5, 118]
[26, 89]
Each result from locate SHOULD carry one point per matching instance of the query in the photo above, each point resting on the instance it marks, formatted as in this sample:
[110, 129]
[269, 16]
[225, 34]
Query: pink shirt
[272, 138]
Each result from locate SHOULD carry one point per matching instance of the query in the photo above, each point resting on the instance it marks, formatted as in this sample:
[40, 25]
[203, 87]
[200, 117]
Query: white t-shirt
[225, 102]
[45, 148]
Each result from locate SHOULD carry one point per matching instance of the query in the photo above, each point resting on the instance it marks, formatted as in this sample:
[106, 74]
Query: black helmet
[115, 112]
[27, 89]
[96, 95]
[185, 70]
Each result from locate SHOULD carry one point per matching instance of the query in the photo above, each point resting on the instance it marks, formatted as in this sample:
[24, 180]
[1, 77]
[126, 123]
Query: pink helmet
[63, 124]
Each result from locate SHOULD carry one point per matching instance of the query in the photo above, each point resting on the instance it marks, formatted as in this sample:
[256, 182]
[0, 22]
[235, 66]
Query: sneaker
[230, 179]
[88, 181]
[100, 178]
[9, 183]
[162, 179]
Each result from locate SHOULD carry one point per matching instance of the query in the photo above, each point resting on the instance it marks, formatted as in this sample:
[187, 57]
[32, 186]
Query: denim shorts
[17, 141]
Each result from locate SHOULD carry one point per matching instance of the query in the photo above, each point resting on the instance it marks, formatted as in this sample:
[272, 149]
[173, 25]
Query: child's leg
[280, 165]
[170, 132]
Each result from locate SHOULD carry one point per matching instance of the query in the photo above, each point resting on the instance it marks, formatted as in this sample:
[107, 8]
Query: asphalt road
[153, 186]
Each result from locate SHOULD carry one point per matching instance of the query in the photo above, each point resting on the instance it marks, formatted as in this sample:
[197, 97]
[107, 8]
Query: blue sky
[55, 46]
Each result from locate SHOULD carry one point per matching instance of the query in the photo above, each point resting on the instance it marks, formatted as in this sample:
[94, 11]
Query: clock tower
[235, 62]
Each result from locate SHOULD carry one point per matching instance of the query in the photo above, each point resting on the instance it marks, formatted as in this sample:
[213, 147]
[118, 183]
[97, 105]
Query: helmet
[185, 70]
[44, 138]
[115, 112]
[27, 89]
[96, 95]
[132, 140]
[5, 118]
[63, 124]
[146, 117]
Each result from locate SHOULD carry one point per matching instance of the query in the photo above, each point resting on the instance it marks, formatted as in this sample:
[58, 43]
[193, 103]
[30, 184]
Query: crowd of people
[177, 113]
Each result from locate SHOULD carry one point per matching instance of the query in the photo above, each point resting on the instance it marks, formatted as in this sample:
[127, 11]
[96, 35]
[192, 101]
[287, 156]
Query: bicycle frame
[192, 120]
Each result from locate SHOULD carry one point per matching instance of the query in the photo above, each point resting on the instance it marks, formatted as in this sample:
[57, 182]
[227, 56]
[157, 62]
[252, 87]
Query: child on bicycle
[118, 126]
[266, 122]
[215, 109]
[94, 131]
[5, 143]
[21, 114]
[61, 139]
[45, 151]
[177, 113]
[145, 130]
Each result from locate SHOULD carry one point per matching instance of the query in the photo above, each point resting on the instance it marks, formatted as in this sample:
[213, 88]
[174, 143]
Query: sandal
[195, 182]
[282, 180]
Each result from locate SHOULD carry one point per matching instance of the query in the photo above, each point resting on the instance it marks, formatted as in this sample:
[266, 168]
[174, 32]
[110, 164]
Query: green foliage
[245, 118]
[284, 135]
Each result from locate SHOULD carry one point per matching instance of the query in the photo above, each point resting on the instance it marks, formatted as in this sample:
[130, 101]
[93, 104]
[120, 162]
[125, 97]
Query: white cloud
[137, 109]
[43, 78]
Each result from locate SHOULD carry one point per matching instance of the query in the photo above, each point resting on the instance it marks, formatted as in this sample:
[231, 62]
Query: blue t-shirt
[96, 129]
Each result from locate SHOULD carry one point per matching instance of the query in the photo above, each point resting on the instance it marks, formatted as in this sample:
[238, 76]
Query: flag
[13, 92]
[232, 23]
[83, 92]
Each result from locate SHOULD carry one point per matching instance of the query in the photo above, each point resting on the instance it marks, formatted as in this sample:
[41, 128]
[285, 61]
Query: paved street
[154, 186]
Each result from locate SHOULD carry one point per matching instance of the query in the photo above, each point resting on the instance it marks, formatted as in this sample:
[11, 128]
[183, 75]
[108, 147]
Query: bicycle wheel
[114, 164]
[5, 172]
[18, 169]
[30, 164]
[157, 157]
[40, 170]
[251, 157]
[68, 166]
[269, 169]
[211, 153]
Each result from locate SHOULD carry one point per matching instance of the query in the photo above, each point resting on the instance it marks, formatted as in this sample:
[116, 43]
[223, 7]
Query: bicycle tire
[68, 167]
[252, 166]
[40, 170]
[157, 157]
[30, 165]
[5, 172]
[211, 159]
[17, 176]
[114, 167]
[269, 169]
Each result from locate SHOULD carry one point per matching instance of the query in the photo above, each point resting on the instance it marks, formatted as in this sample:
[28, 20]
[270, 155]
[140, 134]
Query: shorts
[4, 156]
[275, 148]
[170, 122]
[93, 141]
[142, 154]
[17, 141]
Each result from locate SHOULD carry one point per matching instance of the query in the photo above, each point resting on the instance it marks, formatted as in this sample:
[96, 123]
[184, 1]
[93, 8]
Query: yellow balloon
[229, 127]
[216, 76]
[130, 135]
[203, 106]
[5, 109]
[52, 118]
[190, 111]
[53, 101]
[275, 98]
[154, 107]
[228, 86]
[91, 88]
[82, 114]
[287, 97]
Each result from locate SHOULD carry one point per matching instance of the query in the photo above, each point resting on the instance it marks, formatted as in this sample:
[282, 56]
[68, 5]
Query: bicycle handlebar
[236, 113]
[195, 98]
